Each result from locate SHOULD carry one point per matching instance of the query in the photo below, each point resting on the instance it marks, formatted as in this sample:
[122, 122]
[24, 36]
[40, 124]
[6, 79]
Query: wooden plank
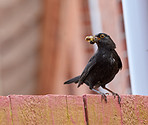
[48, 109]
[5, 111]
[134, 110]
[57, 105]
[99, 112]
[76, 112]
[30, 110]
[67, 110]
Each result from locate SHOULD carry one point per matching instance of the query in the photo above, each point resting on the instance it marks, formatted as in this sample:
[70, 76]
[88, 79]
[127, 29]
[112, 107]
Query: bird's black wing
[119, 60]
[88, 68]
[120, 64]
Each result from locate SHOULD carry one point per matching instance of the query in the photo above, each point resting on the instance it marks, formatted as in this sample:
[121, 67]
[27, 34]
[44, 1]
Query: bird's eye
[102, 36]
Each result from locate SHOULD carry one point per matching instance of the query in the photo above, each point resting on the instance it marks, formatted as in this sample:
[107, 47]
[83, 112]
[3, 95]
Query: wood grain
[67, 110]
[30, 110]
[100, 112]
[134, 110]
[76, 112]
[5, 111]
[72, 110]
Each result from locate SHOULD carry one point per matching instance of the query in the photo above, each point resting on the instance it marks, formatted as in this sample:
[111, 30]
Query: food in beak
[90, 39]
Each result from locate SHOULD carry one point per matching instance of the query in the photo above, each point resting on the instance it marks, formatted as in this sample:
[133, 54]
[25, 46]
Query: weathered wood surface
[72, 110]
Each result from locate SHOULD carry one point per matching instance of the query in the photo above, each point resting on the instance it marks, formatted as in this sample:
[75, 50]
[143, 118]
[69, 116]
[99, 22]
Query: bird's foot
[103, 96]
[119, 99]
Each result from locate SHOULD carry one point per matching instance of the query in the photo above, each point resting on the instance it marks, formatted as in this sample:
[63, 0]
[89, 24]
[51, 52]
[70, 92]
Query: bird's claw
[103, 96]
[119, 99]
[115, 94]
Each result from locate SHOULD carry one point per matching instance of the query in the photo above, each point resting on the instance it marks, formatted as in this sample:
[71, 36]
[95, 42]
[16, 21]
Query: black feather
[73, 80]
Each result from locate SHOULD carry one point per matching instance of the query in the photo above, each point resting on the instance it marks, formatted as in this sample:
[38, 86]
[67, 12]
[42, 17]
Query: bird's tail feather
[75, 80]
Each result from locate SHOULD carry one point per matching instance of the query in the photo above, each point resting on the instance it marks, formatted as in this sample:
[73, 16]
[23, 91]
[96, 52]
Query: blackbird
[102, 66]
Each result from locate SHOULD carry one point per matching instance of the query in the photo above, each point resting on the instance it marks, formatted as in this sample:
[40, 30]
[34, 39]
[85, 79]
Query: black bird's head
[102, 40]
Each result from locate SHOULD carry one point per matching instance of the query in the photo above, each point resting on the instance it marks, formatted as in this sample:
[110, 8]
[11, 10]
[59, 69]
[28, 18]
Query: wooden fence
[72, 110]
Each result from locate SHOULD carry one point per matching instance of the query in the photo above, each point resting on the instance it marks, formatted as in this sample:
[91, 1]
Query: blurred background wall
[20, 37]
[42, 44]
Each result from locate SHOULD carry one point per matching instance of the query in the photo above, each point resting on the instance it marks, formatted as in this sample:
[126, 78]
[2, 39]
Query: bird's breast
[112, 60]
[107, 58]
